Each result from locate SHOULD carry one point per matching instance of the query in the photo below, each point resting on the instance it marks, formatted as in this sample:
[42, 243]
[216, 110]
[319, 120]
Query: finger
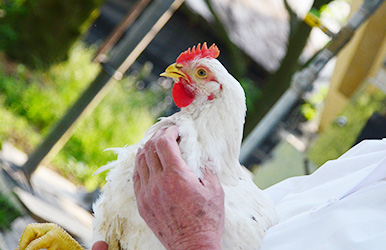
[136, 182]
[152, 160]
[100, 245]
[168, 150]
[141, 167]
[136, 177]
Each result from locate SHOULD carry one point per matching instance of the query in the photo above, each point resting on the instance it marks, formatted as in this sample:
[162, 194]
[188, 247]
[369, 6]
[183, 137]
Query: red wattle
[181, 95]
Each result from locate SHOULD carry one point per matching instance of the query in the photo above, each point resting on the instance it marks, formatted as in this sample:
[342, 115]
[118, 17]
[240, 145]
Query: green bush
[31, 102]
[40, 33]
[10, 11]
[41, 98]
[8, 213]
[122, 118]
[336, 140]
[10, 207]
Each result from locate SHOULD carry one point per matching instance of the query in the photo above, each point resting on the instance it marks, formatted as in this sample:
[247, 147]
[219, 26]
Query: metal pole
[118, 32]
[302, 80]
[135, 41]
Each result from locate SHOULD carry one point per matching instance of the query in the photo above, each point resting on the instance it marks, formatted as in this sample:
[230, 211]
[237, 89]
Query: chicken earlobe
[182, 96]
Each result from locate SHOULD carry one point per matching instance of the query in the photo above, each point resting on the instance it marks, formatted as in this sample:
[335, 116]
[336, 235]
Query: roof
[259, 27]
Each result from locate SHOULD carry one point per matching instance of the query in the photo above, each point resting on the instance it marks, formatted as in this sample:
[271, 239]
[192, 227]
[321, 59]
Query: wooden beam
[122, 57]
[117, 33]
[360, 59]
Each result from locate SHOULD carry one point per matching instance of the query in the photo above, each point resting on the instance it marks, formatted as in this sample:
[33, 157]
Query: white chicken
[210, 123]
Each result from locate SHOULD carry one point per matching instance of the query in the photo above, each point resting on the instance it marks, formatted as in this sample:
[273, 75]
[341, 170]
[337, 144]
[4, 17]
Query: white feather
[209, 131]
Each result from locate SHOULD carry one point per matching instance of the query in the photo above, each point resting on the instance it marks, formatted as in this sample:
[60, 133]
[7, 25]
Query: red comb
[202, 52]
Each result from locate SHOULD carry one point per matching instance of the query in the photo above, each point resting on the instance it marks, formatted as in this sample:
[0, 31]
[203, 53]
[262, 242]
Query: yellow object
[313, 21]
[359, 60]
[174, 71]
[47, 236]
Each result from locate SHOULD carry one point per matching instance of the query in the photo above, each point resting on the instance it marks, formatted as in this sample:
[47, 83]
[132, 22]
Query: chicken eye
[202, 73]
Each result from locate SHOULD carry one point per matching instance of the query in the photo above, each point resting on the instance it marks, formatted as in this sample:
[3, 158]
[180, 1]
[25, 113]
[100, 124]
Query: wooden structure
[360, 59]
[146, 23]
[121, 58]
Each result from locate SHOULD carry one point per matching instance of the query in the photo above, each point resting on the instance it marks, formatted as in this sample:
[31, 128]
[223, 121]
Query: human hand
[183, 211]
[100, 245]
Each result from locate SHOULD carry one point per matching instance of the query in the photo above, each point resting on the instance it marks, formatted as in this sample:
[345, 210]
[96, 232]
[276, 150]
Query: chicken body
[211, 127]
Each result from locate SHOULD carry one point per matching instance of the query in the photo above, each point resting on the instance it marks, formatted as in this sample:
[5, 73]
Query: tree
[238, 58]
[279, 82]
[39, 33]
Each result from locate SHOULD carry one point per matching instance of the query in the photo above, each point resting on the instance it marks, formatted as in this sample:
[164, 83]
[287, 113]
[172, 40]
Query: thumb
[100, 245]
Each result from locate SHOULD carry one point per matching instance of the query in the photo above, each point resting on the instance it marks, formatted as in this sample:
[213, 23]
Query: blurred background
[77, 77]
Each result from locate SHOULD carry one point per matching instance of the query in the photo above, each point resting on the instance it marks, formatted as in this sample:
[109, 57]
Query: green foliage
[40, 33]
[41, 98]
[336, 140]
[313, 104]
[278, 82]
[10, 10]
[122, 118]
[31, 102]
[8, 212]
[252, 92]
[16, 129]
[10, 208]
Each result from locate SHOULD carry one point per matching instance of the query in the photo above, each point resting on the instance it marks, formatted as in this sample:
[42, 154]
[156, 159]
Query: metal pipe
[302, 80]
[118, 32]
[134, 42]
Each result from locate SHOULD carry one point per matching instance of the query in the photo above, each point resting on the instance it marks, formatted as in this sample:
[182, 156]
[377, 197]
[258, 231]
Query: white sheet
[342, 205]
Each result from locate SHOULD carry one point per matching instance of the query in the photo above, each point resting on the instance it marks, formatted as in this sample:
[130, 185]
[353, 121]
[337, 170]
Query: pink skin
[182, 211]
[100, 245]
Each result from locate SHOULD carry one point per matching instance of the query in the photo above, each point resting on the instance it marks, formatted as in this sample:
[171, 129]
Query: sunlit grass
[31, 102]
[336, 140]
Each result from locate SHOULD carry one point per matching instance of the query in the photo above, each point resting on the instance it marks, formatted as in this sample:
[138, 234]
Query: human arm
[183, 211]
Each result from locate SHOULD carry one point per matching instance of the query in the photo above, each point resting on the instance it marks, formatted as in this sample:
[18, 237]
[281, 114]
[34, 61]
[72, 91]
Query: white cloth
[342, 205]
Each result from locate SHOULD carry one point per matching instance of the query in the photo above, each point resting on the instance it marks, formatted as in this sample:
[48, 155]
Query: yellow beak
[174, 71]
